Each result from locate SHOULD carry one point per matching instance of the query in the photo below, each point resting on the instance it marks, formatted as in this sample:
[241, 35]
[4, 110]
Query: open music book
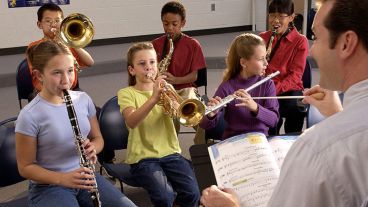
[250, 164]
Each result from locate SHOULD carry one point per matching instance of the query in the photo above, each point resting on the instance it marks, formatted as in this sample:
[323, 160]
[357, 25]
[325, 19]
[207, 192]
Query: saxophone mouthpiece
[274, 30]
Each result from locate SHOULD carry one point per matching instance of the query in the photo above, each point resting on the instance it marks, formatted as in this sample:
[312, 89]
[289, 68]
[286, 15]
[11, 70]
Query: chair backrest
[307, 75]
[23, 81]
[298, 22]
[202, 79]
[314, 116]
[112, 126]
[9, 174]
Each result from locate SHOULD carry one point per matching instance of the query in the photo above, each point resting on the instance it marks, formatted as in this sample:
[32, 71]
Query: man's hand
[215, 197]
[328, 105]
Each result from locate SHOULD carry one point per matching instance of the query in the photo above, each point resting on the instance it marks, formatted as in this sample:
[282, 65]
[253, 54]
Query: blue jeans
[58, 196]
[168, 179]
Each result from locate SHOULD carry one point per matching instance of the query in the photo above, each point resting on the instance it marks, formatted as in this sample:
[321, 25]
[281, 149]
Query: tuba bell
[76, 30]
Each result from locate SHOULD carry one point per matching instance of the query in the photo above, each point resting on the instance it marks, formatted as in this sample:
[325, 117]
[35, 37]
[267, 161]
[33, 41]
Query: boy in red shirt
[187, 57]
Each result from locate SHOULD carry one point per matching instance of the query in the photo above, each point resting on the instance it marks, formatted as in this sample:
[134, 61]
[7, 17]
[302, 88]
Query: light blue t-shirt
[50, 125]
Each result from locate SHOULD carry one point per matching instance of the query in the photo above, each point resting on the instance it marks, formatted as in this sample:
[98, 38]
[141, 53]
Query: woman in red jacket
[287, 52]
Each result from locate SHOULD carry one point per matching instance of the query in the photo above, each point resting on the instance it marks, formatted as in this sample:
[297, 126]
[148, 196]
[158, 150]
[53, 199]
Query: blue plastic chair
[307, 75]
[314, 116]
[202, 79]
[24, 82]
[9, 174]
[216, 132]
[115, 135]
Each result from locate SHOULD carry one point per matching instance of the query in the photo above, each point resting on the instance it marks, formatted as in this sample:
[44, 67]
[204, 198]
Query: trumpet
[188, 112]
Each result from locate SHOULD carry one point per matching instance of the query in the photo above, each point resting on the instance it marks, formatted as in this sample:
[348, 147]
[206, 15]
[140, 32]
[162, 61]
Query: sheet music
[246, 164]
[280, 146]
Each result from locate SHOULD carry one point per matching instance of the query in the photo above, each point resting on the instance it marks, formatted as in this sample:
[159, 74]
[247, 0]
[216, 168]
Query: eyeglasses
[278, 16]
[52, 21]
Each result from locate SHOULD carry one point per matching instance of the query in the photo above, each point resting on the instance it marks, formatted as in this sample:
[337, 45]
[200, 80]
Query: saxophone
[163, 65]
[84, 162]
[269, 45]
[188, 112]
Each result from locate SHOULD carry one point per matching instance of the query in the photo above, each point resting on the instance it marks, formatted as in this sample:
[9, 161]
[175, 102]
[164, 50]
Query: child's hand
[170, 78]
[246, 100]
[213, 102]
[90, 151]
[158, 88]
[80, 178]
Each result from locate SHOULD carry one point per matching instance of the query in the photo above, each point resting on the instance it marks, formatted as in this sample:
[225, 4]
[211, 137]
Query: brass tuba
[76, 30]
[188, 112]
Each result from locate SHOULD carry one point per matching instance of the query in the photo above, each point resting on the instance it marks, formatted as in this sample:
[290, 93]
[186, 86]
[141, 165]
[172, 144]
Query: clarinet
[84, 162]
[269, 46]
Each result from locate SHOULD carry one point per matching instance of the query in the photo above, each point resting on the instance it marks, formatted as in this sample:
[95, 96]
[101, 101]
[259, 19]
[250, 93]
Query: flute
[231, 97]
[318, 96]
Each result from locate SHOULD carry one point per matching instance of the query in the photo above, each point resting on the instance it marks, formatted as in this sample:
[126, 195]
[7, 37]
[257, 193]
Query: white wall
[260, 14]
[123, 18]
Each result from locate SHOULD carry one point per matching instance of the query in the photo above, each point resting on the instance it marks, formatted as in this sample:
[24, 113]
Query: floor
[104, 86]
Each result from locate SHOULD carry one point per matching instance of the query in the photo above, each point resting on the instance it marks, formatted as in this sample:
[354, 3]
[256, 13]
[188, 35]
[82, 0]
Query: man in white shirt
[327, 165]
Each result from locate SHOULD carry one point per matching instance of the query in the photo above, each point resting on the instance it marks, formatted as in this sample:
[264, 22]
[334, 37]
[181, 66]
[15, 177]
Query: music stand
[202, 166]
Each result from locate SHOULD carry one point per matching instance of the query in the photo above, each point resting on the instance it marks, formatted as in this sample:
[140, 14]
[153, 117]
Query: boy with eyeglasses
[49, 18]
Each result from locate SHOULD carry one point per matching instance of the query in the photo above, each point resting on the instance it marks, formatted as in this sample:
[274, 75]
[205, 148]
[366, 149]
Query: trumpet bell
[76, 30]
[191, 112]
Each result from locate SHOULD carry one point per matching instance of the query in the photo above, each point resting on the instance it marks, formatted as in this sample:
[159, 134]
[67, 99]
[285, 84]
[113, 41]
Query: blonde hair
[130, 57]
[39, 55]
[241, 47]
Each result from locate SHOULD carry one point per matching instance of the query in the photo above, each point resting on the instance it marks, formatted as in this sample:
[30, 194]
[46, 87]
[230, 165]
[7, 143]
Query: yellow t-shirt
[155, 136]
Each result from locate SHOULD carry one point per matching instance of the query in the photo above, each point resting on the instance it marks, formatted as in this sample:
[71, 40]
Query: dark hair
[348, 15]
[281, 6]
[241, 47]
[48, 7]
[174, 7]
[130, 57]
[40, 54]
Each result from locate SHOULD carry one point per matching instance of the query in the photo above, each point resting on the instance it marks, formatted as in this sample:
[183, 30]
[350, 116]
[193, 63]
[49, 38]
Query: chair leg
[121, 186]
